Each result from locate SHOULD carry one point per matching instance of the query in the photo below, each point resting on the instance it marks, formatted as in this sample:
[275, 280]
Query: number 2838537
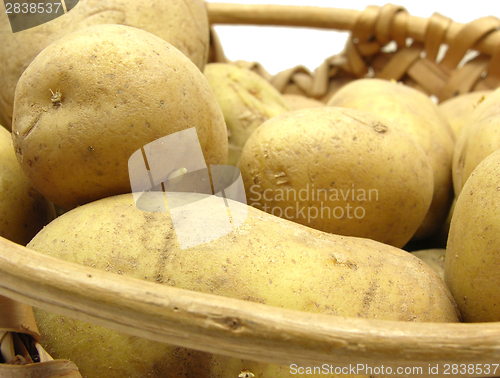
[32, 7]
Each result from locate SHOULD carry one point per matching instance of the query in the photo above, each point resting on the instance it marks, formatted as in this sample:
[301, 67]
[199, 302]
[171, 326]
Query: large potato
[416, 114]
[458, 109]
[267, 260]
[246, 99]
[94, 97]
[480, 136]
[339, 170]
[183, 23]
[23, 211]
[472, 255]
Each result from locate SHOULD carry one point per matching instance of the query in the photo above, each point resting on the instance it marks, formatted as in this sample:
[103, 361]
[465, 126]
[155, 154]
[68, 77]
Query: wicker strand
[435, 34]
[17, 317]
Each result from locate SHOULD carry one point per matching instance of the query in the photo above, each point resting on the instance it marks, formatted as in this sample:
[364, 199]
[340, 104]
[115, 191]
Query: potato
[183, 23]
[266, 259]
[23, 211]
[457, 109]
[339, 170]
[91, 99]
[416, 114]
[472, 257]
[434, 258]
[296, 102]
[479, 138]
[246, 100]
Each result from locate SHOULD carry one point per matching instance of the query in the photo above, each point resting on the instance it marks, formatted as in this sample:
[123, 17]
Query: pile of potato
[339, 195]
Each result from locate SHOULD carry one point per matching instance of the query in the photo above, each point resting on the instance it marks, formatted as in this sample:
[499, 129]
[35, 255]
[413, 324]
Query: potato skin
[339, 170]
[267, 260]
[296, 102]
[163, 18]
[480, 136]
[472, 257]
[246, 99]
[458, 109]
[121, 88]
[416, 114]
[23, 210]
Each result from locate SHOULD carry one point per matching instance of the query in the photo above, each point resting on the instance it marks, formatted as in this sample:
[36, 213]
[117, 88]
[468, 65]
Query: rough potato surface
[94, 97]
[246, 99]
[480, 137]
[472, 255]
[182, 23]
[338, 170]
[416, 114]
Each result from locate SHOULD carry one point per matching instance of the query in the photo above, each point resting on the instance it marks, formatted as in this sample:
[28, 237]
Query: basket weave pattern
[387, 43]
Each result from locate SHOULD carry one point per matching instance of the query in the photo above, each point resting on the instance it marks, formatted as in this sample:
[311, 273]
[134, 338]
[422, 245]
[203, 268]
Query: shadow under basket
[385, 42]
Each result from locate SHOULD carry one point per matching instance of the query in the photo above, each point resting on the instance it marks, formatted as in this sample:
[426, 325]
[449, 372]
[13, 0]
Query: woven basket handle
[413, 60]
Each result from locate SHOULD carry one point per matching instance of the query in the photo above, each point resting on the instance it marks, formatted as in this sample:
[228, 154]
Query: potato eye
[56, 97]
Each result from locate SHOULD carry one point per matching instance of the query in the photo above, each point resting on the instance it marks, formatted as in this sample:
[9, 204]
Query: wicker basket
[258, 332]
[385, 42]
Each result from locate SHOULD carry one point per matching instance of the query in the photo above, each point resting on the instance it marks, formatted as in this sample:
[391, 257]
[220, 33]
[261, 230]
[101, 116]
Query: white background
[279, 48]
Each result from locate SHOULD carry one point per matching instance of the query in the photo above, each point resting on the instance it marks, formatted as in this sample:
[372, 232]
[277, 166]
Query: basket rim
[342, 19]
[234, 327]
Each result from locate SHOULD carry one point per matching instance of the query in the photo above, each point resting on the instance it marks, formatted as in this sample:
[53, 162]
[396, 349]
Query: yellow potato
[339, 170]
[416, 114]
[472, 258]
[480, 136]
[266, 259]
[296, 102]
[457, 109]
[23, 211]
[183, 23]
[94, 97]
[246, 100]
